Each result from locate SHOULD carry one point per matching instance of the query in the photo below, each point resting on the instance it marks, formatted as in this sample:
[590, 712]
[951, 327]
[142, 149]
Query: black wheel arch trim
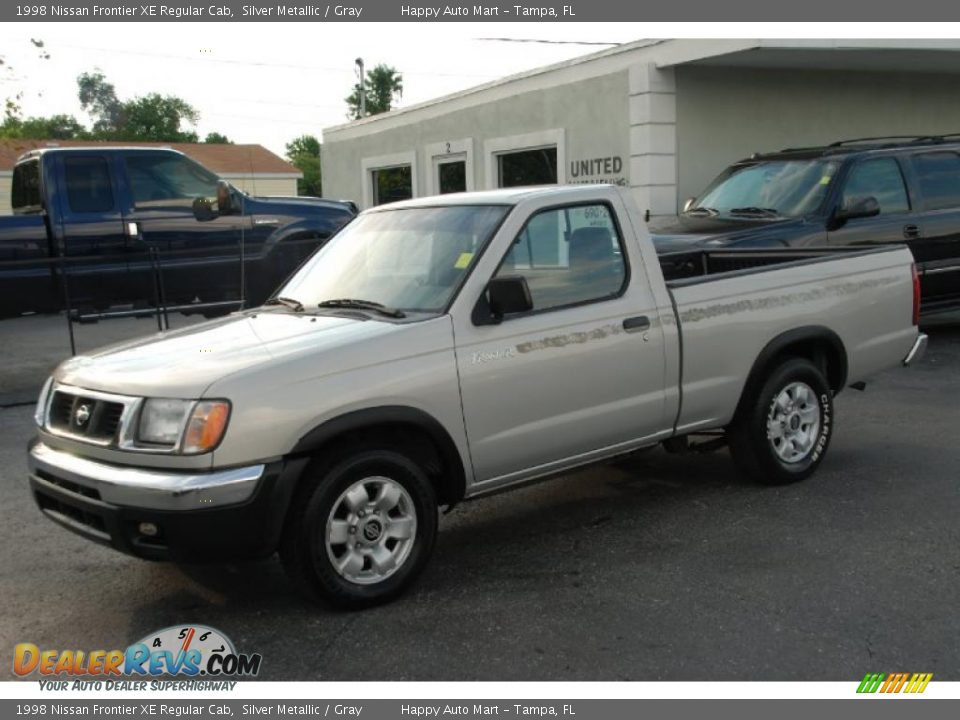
[808, 333]
[451, 492]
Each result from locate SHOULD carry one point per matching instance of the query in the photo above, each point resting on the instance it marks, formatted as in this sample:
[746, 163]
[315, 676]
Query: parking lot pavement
[670, 568]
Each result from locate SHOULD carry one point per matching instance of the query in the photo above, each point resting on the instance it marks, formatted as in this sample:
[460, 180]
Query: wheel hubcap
[371, 530]
[793, 422]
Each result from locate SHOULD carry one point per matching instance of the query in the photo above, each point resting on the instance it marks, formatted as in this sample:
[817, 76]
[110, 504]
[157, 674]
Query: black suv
[852, 192]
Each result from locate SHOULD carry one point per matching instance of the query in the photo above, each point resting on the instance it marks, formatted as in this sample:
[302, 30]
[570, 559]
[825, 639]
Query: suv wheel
[362, 530]
[783, 432]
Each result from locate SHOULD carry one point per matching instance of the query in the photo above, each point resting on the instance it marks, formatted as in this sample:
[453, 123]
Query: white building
[662, 117]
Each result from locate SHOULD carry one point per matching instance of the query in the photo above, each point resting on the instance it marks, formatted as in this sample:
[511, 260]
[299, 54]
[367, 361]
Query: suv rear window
[25, 196]
[938, 174]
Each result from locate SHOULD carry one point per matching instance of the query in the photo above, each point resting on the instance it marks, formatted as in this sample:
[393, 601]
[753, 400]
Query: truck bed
[729, 303]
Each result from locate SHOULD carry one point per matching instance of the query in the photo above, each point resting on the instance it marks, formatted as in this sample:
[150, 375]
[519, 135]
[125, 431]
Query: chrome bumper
[142, 488]
[917, 351]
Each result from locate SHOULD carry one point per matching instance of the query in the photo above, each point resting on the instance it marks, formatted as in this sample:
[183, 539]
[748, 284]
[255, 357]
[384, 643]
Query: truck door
[882, 179]
[582, 371]
[94, 246]
[937, 249]
[173, 211]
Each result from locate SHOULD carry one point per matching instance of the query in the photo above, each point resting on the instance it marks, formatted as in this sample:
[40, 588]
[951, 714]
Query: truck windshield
[410, 259]
[769, 188]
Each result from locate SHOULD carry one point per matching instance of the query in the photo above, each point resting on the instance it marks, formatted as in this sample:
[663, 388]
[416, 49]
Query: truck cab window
[880, 179]
[88, 184]
[168, 181]
[568, 256]
[939, 179]
[25, 196]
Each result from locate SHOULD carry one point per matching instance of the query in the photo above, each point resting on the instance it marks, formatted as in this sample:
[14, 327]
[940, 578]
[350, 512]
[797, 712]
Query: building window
[527, 167]
[392, 184]
[452, 176]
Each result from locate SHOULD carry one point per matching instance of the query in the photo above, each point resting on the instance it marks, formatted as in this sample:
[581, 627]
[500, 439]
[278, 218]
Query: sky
[267, 83]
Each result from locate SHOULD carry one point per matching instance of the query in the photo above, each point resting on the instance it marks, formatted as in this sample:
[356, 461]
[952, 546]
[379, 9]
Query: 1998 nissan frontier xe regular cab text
[442, 348]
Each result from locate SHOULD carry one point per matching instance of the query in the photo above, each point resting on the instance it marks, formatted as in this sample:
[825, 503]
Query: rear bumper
[224, 515]
[918, 350]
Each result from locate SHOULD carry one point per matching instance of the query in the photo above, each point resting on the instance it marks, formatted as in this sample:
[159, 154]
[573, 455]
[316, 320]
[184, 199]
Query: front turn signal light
[206, 426]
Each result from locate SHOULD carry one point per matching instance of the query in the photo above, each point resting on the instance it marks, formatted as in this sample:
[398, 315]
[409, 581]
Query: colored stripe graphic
[894, 683]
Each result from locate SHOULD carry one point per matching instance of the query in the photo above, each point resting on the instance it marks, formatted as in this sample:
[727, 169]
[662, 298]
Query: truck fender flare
[454, 484]
[798, 336]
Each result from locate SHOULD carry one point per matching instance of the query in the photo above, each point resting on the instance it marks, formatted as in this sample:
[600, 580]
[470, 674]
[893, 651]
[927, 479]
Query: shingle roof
[235, 159]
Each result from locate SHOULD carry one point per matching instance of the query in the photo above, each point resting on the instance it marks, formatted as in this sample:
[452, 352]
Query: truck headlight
[40, 413]
[206, 426]
[162, 420]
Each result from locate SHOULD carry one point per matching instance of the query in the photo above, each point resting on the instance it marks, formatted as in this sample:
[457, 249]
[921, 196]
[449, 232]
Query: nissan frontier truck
[440, 349]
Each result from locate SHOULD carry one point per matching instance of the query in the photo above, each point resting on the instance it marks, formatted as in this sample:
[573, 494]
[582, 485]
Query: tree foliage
[215, 138]
[383, 87]
[304, 153]
[99, 100]
[152, 117]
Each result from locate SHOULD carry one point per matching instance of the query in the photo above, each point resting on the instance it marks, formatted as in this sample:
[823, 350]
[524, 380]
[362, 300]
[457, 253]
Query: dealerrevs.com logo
[890, 683]
[180, 650]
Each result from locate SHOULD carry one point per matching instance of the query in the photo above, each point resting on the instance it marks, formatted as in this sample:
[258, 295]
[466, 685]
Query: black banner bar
[537, 11]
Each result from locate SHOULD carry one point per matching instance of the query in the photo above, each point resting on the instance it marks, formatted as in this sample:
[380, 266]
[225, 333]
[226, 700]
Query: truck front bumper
[221, 515]
[918, 350]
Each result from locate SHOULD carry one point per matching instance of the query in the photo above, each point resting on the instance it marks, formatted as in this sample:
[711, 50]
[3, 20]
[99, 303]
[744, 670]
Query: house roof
[220, 158]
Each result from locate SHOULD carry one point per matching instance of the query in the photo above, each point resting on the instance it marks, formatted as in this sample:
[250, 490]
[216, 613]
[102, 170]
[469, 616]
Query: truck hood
[184, 363]
[688, 233]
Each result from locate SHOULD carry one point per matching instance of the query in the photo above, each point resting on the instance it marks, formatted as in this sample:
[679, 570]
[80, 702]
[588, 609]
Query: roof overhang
[906, 56]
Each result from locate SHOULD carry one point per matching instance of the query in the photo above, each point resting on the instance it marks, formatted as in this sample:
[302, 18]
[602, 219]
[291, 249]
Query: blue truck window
[88, 184]
[168, 181]
[25, 197]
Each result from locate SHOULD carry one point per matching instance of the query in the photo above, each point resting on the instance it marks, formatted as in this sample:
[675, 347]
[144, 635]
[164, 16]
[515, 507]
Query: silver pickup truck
[443, 348]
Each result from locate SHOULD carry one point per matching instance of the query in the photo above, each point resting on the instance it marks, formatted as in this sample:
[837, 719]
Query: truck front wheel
[783, 430]
[361, 529]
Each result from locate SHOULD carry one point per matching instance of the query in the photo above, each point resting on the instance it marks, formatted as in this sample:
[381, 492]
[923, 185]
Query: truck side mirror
[504, 296]
[690, 202]
[861, 207]
[224, 197]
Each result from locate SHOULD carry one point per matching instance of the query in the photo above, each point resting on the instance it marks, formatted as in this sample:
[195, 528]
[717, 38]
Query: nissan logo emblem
[82, 415]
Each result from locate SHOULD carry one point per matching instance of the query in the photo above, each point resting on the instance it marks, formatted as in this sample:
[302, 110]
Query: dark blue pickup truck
[96, 228]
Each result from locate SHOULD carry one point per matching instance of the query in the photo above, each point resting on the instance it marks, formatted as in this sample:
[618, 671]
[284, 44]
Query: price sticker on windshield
[463, 260]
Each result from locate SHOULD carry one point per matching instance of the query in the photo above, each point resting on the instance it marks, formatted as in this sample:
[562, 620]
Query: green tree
[383, 87]
[215, 138]
[158, 118]
[304, 153]
[98, 98]
[55, 127]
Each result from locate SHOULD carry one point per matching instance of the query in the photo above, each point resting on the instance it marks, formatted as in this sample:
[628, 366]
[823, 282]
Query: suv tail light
[916, 294]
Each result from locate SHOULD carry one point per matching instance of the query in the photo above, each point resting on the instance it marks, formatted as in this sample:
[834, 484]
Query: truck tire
[361, 529]
[783, 430]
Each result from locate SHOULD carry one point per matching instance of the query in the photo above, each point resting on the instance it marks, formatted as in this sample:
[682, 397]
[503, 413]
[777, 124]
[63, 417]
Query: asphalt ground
[668, 568]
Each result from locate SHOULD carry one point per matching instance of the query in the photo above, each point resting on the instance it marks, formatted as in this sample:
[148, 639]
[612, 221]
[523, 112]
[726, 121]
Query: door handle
[911, 231]
[636, 324]
[133, 230]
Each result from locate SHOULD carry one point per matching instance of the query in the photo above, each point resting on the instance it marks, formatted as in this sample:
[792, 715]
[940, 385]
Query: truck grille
[85, 417]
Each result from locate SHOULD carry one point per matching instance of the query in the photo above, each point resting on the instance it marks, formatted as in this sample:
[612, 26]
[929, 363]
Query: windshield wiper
[765, 212]
[294, 305]
[702, 211]
[363, 305]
